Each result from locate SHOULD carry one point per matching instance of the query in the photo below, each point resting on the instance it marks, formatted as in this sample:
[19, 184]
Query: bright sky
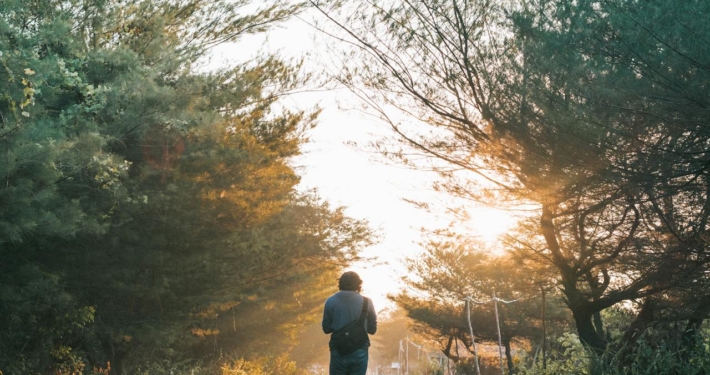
[374, 190]
[355, 178]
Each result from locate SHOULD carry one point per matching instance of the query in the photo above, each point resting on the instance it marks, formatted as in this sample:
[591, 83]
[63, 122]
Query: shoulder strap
[363, 313]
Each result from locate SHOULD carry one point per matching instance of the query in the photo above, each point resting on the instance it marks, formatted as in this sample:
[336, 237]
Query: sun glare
[490, 223]
[378, 282]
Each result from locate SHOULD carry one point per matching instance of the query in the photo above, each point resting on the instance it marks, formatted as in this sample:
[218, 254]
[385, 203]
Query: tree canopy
[454, 269]
[591, 112]
[149, 211]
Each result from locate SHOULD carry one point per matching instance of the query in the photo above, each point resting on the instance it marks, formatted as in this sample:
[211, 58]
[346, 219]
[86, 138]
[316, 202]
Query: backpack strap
[363, 313]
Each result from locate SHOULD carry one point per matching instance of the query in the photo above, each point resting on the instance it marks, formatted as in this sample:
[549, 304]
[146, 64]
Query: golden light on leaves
[199, 332]
[213, 310]
[270, 306]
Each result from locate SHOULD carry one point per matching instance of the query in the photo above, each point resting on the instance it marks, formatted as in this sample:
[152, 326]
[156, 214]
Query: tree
[580, 109]
[146, 204]
[627, 76]
[453, 269]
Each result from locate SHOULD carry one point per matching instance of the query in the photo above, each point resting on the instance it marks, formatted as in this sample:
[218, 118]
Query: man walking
[340, 309]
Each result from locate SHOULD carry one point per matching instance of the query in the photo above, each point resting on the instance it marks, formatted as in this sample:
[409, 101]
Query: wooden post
[407, 353]
[500, 340]
[473, 339]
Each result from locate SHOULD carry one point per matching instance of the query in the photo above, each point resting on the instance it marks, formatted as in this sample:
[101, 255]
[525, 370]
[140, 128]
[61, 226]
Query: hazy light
[347, 176]
[490, 223]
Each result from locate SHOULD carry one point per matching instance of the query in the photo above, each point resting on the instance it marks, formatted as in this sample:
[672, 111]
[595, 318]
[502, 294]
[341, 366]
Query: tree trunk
[692, 329]
[690, 334]
[639, 325]
[586, 330]
[598, 325]
[509, 357]
[635, 330]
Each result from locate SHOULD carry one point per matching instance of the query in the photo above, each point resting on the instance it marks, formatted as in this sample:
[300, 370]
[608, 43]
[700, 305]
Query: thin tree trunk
[509, 357]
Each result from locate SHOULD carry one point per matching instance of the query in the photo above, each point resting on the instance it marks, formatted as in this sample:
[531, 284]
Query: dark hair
[350, 281]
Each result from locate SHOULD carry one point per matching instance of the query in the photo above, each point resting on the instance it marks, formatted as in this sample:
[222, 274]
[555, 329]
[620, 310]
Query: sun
[489, 224]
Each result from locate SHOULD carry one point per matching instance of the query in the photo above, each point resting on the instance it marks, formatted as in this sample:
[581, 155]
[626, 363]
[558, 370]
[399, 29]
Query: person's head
[350, 281]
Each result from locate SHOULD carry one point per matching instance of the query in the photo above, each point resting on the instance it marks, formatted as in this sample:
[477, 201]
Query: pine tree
[146, 204]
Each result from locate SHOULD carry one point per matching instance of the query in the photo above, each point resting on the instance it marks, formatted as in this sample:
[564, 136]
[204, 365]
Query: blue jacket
[345, 306]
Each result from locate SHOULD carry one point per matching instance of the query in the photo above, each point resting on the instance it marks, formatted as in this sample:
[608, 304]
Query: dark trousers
[354, 363]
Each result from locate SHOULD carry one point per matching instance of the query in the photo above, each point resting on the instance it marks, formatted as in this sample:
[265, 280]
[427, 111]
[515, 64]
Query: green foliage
[262, 366]
[645, 360]
[42, 324]
[149, 210]
[573, 358]
[453, 268]
[591, 116]
[435, 368]
[255, 365]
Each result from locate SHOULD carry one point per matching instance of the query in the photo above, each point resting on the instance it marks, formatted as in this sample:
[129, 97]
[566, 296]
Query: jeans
[354, 363]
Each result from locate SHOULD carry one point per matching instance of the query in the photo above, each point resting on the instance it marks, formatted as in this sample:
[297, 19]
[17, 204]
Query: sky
[338, 164]
[374, 189]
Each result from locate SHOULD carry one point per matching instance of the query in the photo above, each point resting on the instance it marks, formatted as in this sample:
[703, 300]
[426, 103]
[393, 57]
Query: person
[340, 309]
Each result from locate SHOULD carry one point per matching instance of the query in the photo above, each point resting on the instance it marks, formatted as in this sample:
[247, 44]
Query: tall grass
[644, 359]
